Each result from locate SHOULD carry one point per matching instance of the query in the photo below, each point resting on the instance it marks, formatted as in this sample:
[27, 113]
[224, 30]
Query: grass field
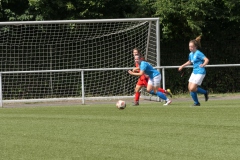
[100, 132]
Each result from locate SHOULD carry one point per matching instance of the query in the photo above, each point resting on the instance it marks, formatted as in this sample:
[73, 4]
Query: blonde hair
[197, 41]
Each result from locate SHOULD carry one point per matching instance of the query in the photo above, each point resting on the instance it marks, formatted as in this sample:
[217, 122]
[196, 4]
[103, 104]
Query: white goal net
[33, 53]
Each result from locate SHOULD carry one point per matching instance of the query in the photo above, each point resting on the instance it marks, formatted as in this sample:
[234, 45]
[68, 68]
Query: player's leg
[154, 85]
[140, 83]
[201, 90]
[168, 91]
[137, 95]
[161, 90]
[192, 87]
[194, 81]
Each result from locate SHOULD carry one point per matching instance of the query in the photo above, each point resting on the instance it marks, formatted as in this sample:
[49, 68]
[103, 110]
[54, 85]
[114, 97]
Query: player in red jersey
[143, 81]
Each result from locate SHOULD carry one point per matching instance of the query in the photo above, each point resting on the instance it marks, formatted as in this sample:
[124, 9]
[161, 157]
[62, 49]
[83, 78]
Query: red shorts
[142, 80]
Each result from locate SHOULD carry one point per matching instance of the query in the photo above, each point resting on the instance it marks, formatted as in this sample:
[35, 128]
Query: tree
[14, 10]
[190, 18]
[144, 8]
[20, 10]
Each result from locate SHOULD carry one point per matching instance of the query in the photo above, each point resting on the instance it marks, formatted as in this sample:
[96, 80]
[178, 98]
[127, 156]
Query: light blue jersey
[197, 59]
[148, 69]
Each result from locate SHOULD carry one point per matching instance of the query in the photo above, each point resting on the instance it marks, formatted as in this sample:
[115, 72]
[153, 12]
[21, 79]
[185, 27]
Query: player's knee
[149, 90]
[192, 89]
[137, 88]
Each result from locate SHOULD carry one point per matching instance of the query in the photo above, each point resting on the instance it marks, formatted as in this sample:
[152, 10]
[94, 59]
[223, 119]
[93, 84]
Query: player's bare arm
[184, 65]
[136, 74]
[206, 60]
[136, 69]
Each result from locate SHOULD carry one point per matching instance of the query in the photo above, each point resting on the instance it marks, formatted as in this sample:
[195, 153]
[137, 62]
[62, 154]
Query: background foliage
[180, 21]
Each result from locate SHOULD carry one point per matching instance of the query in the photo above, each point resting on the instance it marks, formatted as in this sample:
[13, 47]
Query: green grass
[100, 132]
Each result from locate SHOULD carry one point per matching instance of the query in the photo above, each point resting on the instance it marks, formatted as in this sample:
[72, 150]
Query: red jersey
[143, 79]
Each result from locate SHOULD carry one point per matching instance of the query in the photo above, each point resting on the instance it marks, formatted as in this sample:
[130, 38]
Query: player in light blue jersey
[199, 61]
[154, 78]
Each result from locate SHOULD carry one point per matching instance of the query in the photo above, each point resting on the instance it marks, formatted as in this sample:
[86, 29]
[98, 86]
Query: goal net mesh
[64, 46]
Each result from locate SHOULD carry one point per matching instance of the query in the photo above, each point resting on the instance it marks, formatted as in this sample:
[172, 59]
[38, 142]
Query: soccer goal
[73, 58]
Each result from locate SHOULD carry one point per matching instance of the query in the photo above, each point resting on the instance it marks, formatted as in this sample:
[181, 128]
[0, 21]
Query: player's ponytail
[198, 39]
[197, 42]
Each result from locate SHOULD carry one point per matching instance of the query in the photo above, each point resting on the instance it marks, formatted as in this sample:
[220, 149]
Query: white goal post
[65, 59]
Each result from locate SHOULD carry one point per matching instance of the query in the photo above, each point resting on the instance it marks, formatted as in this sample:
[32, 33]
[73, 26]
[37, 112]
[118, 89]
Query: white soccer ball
[121, 104]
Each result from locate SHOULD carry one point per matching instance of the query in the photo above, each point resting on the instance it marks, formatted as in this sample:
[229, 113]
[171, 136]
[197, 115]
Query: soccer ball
[121, 104]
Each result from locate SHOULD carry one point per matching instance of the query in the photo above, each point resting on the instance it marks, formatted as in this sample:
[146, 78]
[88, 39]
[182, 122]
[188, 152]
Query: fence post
[163, 78]
[83, 95]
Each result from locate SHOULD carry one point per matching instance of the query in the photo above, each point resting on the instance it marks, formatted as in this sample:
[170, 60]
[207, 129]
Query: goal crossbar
[79, 21]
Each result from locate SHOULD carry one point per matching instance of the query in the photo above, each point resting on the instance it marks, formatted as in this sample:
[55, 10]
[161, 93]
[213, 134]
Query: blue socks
[200, 90]
[194, 94]
[194, 97]
[159, 94]
[152, 92]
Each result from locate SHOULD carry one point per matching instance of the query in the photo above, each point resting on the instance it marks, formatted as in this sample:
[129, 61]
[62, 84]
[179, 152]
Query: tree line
[182, 19]
[218, 21]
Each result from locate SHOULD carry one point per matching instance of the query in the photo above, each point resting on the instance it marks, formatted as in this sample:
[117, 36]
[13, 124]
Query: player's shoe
[136, 103]
[167, 102]
[198, 104]
[168, 92]
[206, 96]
